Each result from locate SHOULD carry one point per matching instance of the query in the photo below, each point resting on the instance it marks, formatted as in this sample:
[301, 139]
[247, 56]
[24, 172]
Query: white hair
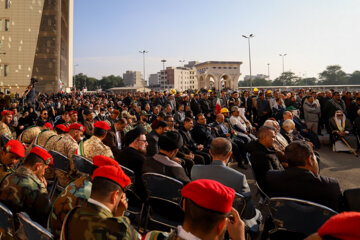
[288, 124]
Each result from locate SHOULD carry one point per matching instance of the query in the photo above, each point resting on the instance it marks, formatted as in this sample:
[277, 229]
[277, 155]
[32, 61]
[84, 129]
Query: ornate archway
[218, 74]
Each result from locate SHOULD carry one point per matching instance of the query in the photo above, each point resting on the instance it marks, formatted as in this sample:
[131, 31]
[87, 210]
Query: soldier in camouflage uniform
[75, 194]
[44, 135]
[9, 156]
[61, 130]
[25, 190]
[6, 118]
[94, 146]
[68, 146]
[208, 214]
[102, 216]
[143, 122]
[30, 134]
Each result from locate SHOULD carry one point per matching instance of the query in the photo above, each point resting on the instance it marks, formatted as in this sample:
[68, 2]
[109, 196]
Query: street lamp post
[248, 38]
[268, 70]
[163, 73]
[75, 65]
[143, 52]
[282, 55]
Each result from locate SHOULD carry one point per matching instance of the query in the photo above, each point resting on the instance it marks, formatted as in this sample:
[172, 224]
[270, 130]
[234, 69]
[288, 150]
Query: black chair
[297, 217]
[135, 204]
[164, 196]
[83, 164]
[6, 222]
[352, 199]
[31, 229]
[61, 163]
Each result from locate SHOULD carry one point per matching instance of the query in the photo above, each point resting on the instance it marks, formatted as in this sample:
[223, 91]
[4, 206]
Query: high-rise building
[36, 40]
[133, 78]
[154, 79]
[179, 78]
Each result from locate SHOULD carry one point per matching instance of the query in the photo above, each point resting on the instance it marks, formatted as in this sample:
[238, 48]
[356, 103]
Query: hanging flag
[218, 105]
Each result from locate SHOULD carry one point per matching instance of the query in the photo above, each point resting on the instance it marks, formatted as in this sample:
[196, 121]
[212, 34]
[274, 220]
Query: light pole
[248, 38]
[75, 65]
[282, 55]
[268, 70]
[163, 74]
[143, 52]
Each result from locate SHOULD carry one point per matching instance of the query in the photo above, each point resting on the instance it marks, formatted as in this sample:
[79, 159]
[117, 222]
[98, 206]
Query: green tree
[306, 81]
[333, 75]
[354, 78]
[111, 81]
[285, 79]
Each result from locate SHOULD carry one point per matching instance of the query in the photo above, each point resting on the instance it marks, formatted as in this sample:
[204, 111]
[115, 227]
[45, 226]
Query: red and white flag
[218, 105]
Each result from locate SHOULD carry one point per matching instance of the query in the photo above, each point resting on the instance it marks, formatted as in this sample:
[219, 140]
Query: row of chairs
[300, 218]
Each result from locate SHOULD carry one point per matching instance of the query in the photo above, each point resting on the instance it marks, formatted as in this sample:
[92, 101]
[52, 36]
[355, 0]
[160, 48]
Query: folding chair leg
[53, 188]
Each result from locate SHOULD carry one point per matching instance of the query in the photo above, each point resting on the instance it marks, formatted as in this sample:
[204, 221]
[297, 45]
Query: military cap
[170, 140]
[73, 112]
[77, 126]
[15, 147]
[48, 125]
[144, 113]
[209, 194]
[7, 112]
[100, 160]
[342, 226]
[62, 127]
[102, 125]
[113, 173]
[43, 154]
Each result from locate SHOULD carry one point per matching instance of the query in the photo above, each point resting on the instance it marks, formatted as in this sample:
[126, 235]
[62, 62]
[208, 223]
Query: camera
[33, 81]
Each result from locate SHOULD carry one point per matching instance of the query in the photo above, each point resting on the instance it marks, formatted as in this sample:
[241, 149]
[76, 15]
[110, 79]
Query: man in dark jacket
[302, 180]
[201, 133]
[153, 138]
[195, 105]
[263, 155]
[133, 156]
[165, 162]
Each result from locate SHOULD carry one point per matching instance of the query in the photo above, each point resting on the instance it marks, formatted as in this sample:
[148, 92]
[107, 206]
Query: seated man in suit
[263, 155]
[220, 150]
[165, 162]
[153, 138]
[302, 180]
[201, 133]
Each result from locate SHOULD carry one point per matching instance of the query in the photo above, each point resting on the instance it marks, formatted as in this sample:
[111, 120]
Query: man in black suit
[195, 105]
[153, 138]
[263, 155]
[205, 106]
[189, 144]
[246, 102]
[133, 156]
[165, 162]
[302, 180]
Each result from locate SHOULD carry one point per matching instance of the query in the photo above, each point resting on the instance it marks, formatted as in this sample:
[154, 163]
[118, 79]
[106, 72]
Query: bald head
[220, 149]
[287, 115]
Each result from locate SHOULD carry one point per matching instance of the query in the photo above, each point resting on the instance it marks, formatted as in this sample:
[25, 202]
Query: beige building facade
[36, 40]
[133, 78]
[218, 74]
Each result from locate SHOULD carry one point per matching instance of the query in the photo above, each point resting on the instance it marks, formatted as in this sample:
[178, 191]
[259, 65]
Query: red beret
[342, 226]
[7, 112]
[43, 154]
[77, 126]
[210, 194]
[62, 127]
[15, 147]
[102, 125]
[73, 112]
[100, 160]
[48, 125]
[114, 174]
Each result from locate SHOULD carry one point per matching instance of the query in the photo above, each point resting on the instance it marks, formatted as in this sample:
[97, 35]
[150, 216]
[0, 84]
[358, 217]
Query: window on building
[6, 70]
[7, 4]
[1, 24]
[0, 45]
[7, 24]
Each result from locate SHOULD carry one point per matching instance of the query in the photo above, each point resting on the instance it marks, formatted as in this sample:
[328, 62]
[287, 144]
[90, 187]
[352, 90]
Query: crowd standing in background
[189, 136]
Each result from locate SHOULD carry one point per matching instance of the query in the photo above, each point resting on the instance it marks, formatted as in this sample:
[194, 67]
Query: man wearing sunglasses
[25, 189]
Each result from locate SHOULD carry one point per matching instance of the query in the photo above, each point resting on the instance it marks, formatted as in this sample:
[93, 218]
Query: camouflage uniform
[23, 191]
[29, 135]
[94, 146]
[146, 126]
[5, 130]
[44, 136]
[52, 140]
[4, 171]
[75, 194]
[128, 128]
[67, 146]
[93, 222]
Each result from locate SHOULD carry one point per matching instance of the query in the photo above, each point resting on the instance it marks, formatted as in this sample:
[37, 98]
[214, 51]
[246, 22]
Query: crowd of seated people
[184, 136]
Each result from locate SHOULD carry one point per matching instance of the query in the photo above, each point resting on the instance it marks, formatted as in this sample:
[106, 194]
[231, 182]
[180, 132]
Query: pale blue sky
[108, 34]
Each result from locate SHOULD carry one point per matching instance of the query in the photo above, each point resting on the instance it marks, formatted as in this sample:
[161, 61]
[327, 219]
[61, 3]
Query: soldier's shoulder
[157, 235]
